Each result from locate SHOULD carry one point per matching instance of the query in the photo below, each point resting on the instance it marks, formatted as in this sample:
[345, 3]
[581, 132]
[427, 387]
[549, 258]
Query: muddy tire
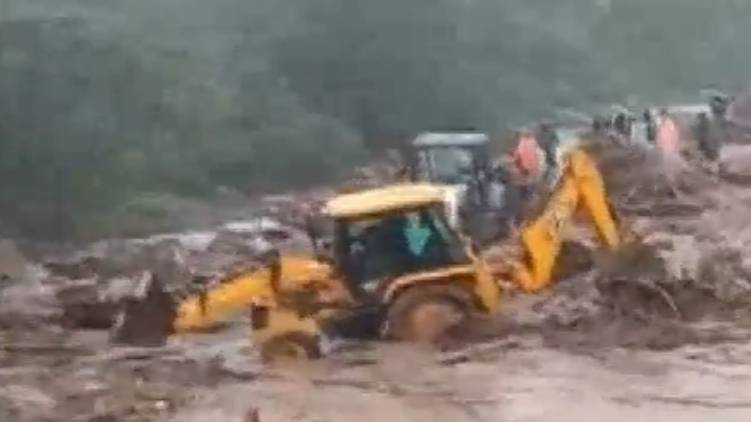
[295, 346]
[428, 314]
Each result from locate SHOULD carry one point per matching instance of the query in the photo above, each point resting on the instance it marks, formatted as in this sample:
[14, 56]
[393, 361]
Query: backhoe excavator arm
[581, 185]
[297, 284]
[204, 310]
[153, 314]
[283, 296]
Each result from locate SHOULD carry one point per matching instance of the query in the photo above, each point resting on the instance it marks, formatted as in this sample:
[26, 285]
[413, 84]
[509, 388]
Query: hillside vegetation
[106, 105]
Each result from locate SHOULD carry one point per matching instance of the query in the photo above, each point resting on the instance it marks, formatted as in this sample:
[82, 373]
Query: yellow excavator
[393, 258]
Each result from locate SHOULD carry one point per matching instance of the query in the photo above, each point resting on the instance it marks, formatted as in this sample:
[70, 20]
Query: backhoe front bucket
[146, 319]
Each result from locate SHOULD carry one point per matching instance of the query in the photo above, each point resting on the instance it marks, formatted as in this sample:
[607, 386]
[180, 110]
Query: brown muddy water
[525, 376]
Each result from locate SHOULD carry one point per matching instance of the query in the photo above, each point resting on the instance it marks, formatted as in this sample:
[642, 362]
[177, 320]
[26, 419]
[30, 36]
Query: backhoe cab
[393, 258]
[461, 162]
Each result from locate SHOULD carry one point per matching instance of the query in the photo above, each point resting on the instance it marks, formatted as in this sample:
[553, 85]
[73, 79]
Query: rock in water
[146, 318]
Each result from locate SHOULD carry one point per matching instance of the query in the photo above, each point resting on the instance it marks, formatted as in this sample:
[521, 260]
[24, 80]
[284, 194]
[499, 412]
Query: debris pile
[85, 288]
[691, 262]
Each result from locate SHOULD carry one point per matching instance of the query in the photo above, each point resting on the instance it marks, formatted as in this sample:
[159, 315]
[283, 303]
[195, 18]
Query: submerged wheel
[427, 314]
[294, 346]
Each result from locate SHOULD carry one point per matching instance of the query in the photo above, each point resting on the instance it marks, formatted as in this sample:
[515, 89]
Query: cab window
[382, 248]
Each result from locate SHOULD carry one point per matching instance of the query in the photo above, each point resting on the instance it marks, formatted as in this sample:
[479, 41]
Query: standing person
[668, 135]
[620, 123]
[668, 145]
[526, 155]
[630, 121]
[515, 186]
[718, 105]
[651, 125]
[705, 137]
[719, 129]
[638, 132]
[550, 144]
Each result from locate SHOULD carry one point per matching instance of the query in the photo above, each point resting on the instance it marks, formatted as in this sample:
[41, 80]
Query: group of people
[536, 154]
[657, 128]
[662, 130]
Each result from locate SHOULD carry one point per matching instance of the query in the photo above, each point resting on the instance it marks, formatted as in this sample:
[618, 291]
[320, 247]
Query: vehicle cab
[383, 234]
[450, 158]
[461, 162]
[395, 240]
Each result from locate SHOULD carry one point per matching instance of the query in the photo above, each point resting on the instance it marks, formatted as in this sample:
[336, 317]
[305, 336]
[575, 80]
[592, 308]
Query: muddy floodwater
[517, 378]
[521, 377]
[526, 384]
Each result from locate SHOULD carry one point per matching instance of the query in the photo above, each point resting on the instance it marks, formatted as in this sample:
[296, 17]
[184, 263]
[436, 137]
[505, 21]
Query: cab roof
[448, 139]
[384, 200]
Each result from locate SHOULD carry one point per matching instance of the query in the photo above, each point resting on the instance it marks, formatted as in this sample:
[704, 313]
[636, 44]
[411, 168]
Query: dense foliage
[106, 105]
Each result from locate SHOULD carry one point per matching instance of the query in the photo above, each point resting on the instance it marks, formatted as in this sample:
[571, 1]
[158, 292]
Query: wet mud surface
[530, 376]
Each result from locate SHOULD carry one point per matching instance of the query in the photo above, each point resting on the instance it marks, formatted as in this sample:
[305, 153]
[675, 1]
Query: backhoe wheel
[428, 314]
[295, 346]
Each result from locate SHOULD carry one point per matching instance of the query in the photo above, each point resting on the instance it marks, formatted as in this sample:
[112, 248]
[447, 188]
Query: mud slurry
[516, 378]
[660, 334]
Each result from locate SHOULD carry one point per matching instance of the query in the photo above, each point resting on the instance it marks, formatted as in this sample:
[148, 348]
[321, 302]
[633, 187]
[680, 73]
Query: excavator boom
[203, 311]
[268, 285]
[156, 315]
[580, 187]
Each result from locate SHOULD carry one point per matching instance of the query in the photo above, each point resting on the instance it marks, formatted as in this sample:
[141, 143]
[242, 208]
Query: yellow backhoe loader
[394, 258]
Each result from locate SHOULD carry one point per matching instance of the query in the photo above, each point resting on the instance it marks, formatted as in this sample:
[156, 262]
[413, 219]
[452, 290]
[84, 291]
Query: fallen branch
[666, 297]
[475, 351]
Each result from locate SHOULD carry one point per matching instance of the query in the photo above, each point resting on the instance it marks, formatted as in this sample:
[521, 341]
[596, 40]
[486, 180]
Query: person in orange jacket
[526, 166]
[668, 141]
[668, 135]
[526, 155]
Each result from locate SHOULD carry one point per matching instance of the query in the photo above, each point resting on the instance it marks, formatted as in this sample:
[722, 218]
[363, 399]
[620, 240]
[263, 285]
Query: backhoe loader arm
[153, 314]
[283, 282]
[205, 310]
[581, 185]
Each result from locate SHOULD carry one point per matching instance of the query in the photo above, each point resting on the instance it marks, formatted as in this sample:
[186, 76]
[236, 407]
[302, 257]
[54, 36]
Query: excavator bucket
[146, 318]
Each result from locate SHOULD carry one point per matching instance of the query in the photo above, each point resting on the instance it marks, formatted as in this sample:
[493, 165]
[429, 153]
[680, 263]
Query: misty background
[116, 114]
